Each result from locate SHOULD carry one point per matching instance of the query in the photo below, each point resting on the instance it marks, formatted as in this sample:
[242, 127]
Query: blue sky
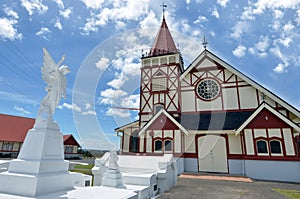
[103, 43]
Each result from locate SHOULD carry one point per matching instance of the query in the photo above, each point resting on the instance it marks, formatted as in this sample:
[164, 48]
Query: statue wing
[49, 70]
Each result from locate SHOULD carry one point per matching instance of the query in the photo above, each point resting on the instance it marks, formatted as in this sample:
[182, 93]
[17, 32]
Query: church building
[211, 117]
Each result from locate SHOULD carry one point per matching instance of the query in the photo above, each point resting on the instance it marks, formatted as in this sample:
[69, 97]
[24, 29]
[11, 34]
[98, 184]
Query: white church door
[212, 154]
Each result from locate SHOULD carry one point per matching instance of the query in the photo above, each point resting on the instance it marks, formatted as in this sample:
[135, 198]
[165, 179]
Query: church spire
[164, 43]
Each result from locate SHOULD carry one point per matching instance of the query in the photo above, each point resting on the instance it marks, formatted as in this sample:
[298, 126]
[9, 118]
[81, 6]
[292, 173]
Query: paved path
[189, 187]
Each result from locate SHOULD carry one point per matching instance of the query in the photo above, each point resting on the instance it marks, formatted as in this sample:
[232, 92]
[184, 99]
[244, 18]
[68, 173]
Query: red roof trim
[164, 43]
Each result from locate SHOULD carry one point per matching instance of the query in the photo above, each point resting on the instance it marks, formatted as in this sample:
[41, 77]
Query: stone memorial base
[113, 178]
[40, 167]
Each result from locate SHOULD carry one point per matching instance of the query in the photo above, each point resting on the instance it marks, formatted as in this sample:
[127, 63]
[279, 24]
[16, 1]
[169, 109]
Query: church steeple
[164, 43]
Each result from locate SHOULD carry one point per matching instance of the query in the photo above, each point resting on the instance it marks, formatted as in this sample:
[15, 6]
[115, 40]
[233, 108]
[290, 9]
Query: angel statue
[54, 76]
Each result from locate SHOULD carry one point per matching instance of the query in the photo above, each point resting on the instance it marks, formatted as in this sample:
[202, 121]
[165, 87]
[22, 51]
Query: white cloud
[9, 12]
[240, 51]
[215, 13]
[297, 19]
[58, 24]
[280, 68]
[112, 94]
[263, 44]
[188, 3]
[73, 107]
[150, 21]
[132, 101]
[131, 69]
[42, 32]
[278, 14]
[89, 112]
[276, 25]
[34, 5]
[118, 112]
[94, 4]
[248, 13]
[103, 63]
[185, 27]
[239, 29]
[65, 13]
[261, 5]
[223, 3]
[121, 11]
[200, 19]
[88, 106]
[60, 3]
[285, 42]
[7, 29]
[21, 110]
[287, 28]
[118, 82]
[261, 47]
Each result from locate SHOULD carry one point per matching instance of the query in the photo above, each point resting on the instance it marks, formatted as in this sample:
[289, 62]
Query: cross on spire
[164, 6]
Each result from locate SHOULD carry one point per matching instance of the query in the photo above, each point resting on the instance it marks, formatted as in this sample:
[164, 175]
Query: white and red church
[211, 117]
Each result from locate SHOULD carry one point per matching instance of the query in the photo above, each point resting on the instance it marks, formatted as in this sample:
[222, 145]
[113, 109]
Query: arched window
[158, 107]
[158, 145]
[134, 142]
[168, 145]
[275, 146]
[261, 146]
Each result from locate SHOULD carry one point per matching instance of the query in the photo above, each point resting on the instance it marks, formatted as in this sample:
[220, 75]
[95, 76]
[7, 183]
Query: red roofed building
[13, 130]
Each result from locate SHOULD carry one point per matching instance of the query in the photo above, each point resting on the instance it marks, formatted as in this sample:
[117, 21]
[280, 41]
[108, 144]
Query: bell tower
[160, 72]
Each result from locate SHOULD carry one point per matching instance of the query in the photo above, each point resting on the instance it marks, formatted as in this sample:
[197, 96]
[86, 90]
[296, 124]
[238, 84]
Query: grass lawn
[87, 172]
[81, 168]
[293, 194]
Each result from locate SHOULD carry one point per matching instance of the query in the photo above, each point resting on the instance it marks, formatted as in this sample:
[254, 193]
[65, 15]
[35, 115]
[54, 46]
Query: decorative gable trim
[207, 54]
[272, 110]
[156, 116]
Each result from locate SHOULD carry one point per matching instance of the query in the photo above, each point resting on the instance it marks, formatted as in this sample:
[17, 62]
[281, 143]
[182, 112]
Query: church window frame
[134, 142]
[208, 89]
[168, 146]
[262, 147]
[276, 147]
[158, 107]
[163, 145]
[158, 145]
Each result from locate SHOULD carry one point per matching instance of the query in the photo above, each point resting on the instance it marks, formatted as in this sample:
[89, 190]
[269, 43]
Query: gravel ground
[198, 188]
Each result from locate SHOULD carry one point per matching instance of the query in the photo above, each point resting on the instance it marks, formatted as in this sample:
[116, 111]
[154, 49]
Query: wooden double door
[212, 154]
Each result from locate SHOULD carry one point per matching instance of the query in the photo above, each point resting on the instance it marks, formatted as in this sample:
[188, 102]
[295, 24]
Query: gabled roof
[14, 128]
[156, 116]
[121, 128]
[164, 43]
[70, 140]
[272, 110]
[216, 59]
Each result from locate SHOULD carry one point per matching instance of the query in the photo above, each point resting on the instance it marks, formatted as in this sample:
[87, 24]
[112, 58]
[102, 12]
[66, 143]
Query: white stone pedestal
[40, 167]
[113, 178]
